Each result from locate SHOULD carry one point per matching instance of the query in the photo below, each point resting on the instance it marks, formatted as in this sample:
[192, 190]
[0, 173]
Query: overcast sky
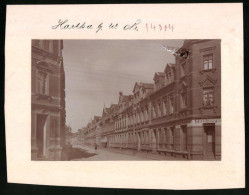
[96, 70]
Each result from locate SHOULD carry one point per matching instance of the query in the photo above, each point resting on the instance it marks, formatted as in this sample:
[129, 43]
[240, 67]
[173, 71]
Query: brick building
[180, 113]
[48, 100]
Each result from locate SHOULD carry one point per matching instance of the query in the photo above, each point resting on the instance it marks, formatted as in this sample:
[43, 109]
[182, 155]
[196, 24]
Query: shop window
[184, 137]
[172, 137]
[53, 129]
[208, 62]
[208, 97]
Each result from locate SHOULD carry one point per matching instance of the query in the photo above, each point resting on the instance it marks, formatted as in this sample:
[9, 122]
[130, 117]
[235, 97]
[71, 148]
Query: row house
[91, 131]
[47, 100]
[180, 114]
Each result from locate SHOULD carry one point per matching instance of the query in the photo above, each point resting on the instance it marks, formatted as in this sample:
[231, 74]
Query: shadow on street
[76, 153]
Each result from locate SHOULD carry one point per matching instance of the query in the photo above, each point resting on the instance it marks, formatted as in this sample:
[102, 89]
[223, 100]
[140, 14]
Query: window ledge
[214, 108]
[208, 70]
[43, 96]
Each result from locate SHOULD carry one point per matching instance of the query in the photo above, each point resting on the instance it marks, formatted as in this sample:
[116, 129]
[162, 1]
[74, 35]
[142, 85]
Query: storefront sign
[207, 120]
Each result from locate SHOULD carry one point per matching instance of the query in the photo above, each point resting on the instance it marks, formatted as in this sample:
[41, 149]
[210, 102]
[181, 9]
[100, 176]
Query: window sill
[208, 70]
[43, 96]
[214, 108]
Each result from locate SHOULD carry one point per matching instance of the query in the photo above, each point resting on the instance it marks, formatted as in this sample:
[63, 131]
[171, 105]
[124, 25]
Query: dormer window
[169, 76]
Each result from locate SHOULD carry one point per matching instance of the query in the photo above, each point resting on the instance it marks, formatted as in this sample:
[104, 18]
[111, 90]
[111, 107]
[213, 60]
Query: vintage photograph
[126, 100]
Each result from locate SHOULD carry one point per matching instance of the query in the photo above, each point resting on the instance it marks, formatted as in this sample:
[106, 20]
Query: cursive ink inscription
[63, 24]
[133, 26]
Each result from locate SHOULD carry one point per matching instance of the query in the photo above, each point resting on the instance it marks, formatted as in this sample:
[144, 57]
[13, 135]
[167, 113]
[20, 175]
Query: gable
[136, 87]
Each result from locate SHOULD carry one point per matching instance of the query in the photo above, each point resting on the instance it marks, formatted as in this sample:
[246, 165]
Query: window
[164, 107]
[172, 140]
[142, 116]
[153, 111]
[171, 106]
[55, 47]
[184, 137]
[183, 69]
[183, 100]
[146, 115]
[42, 83]
[46, 45]
[159, 109]
[53, 131]
[208, 97]
[169, 76]
[208, 61]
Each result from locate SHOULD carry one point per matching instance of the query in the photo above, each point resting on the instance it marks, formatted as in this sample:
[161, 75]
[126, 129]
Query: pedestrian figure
[96, 147]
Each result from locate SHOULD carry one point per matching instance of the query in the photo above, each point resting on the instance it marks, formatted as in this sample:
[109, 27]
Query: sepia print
[106, 100]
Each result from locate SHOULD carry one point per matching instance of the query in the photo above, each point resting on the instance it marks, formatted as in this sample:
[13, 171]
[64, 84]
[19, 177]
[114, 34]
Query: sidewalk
[149, 155]
[131, 153]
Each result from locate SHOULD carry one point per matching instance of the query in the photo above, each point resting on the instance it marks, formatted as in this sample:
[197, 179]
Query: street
[86, 153]
[104, 155]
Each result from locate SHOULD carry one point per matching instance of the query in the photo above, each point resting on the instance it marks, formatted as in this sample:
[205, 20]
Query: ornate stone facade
[48, 100]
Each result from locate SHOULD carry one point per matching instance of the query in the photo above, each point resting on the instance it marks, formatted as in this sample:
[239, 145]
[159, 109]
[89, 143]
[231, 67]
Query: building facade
[48, 100]
[177, 115]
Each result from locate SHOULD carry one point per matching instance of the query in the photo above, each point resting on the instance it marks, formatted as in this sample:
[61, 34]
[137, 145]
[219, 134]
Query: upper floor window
[55, 47]
[183, 69]
[46, 45]
[208, 62]
[208, 97]
[164, 107]
[159, 110]
[141, 116]
[157, 85]
[169, 76]
[153, 111]
[171, 105]
[42, 83]
[183, 100]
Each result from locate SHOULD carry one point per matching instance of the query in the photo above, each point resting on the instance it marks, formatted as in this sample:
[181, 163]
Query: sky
[97, 70]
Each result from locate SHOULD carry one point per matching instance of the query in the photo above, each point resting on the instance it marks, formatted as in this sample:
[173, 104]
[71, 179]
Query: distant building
[48, 100]
[179, 114]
